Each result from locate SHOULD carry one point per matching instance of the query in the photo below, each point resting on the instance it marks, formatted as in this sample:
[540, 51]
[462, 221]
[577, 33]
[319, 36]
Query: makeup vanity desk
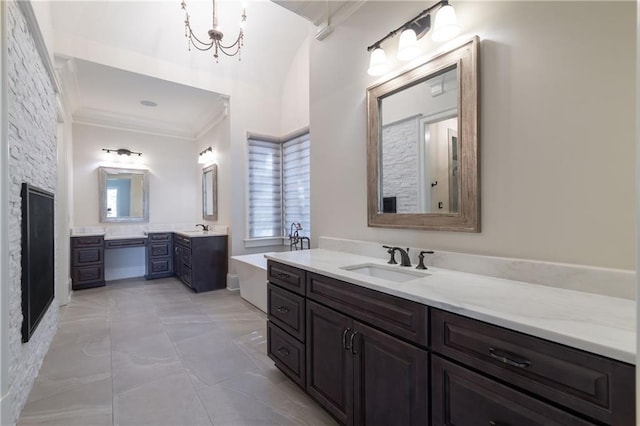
[199, 260]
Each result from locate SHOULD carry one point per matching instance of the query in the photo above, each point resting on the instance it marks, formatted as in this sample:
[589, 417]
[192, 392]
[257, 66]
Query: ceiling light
[148, 103]
[215, 35]
[408, 45]
[445, 26]
[378, 63]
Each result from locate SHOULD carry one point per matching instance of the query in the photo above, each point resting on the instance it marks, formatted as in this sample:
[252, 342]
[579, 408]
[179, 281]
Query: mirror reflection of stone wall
[419, 147]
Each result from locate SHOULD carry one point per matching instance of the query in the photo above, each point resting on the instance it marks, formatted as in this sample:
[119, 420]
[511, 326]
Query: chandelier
[215, 35]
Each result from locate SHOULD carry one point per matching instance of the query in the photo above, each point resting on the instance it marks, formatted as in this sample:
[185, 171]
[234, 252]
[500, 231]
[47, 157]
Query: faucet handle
[421, 259]
[391, 251]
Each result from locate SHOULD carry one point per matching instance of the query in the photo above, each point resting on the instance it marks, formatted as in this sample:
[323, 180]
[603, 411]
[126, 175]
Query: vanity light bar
[206, 156]
[445, 28]
[122, 151]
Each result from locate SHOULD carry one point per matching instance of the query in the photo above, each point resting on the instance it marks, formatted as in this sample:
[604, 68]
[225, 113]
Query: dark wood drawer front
[596, 386]
[286, 276]
[400, 317]
[186, 275]
[159, 266]
[159, 249]
[85, 274]
[179, 239]
[287, 353]
[124, 243]
[462, 397]
[186, 257]
[83, 256]
[160, 237]
[286, 310]
[87, 241]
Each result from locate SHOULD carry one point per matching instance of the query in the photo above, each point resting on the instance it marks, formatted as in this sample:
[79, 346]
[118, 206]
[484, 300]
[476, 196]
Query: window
[278, 186]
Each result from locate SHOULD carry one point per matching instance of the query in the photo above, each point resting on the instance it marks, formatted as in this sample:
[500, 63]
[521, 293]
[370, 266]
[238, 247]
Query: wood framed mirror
[124, 195]
[422, 149]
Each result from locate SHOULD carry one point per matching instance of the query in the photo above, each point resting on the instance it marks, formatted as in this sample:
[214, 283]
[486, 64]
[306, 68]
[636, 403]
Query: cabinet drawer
[87, 241]
[462, 397]
[87, 274]
[287, 353]
[159, 266]
[159, 237]
[186, 257]
[186, 275]
[84, 256]
[124, 243]
[286, 309]
[599, 387]
[159, 249]
[397, 316]
[286, 276]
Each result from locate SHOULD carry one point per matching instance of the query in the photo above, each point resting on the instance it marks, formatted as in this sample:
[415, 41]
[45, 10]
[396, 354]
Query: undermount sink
[391, 273]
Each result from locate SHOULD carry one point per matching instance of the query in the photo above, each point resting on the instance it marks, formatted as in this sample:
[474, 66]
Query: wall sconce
[206, 157]
[122, 151]
[445, 28]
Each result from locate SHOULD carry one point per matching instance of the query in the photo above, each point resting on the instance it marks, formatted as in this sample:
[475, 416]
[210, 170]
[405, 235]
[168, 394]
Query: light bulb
[378, 64]
[446, 25]
[408, 45]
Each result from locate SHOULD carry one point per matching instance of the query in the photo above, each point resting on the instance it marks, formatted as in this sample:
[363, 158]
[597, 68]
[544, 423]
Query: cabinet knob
[282, 309]
[283, 351]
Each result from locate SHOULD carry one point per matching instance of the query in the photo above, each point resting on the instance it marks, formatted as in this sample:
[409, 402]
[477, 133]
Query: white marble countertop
[191, 234]
[600, 324]
[109, 237]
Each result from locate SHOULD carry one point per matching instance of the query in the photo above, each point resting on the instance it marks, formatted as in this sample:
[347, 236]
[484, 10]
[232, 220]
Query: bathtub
[252, 277]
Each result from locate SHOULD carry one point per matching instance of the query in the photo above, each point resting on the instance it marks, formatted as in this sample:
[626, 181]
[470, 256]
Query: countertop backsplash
[605, 281]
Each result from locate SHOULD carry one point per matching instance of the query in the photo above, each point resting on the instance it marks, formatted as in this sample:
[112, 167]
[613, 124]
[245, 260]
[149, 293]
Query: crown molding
[214, 121]
[113, 120]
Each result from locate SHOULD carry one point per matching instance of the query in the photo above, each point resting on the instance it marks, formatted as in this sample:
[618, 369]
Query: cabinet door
[391, 379]
[177, 261]
[463, 397]
[329, 361]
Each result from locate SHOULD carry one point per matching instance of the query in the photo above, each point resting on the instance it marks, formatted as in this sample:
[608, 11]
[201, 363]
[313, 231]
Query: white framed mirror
[210, 193]
[123, 194]
[422, 148]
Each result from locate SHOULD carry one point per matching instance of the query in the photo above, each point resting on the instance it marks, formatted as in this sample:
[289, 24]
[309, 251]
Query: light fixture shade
[408, 45]
[446, 25]
[378, 63]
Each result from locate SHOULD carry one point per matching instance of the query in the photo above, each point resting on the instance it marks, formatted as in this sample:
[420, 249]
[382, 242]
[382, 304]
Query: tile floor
[154, 353]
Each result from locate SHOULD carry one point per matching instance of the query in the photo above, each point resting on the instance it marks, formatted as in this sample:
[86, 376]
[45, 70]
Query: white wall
[295, 92]
[174, 193]
[557, 139]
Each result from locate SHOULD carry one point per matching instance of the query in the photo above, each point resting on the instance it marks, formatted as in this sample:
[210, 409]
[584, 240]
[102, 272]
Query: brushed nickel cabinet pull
[282, 309]
[353, 346]
[283, 275]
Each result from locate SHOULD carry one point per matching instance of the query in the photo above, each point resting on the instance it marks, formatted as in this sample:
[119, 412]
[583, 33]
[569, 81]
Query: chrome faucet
[404, 256]
[204, 227]
[295, 238]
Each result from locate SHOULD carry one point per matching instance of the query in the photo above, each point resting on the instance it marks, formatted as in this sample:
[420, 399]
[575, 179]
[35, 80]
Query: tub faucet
[204, 227]
[404, 256]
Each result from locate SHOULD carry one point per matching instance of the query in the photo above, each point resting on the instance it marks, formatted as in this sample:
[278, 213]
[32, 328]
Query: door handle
[344, 339]
[352, 344]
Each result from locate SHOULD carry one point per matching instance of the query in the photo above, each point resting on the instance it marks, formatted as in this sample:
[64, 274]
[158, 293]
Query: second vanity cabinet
[159, 255]
[371, 358]
[87, 262]
[201, 262]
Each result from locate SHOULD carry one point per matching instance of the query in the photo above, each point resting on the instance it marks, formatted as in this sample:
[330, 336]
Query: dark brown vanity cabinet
[367, 362]
[201, 262]
[348, 364]
[159, 255]
[87, 262]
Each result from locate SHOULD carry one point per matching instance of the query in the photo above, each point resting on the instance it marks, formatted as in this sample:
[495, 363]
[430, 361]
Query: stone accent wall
[400, 171]
[32, 158]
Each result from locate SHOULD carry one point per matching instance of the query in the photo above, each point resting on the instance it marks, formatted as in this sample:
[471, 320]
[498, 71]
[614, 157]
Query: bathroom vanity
[198, 259]
[447, 348]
